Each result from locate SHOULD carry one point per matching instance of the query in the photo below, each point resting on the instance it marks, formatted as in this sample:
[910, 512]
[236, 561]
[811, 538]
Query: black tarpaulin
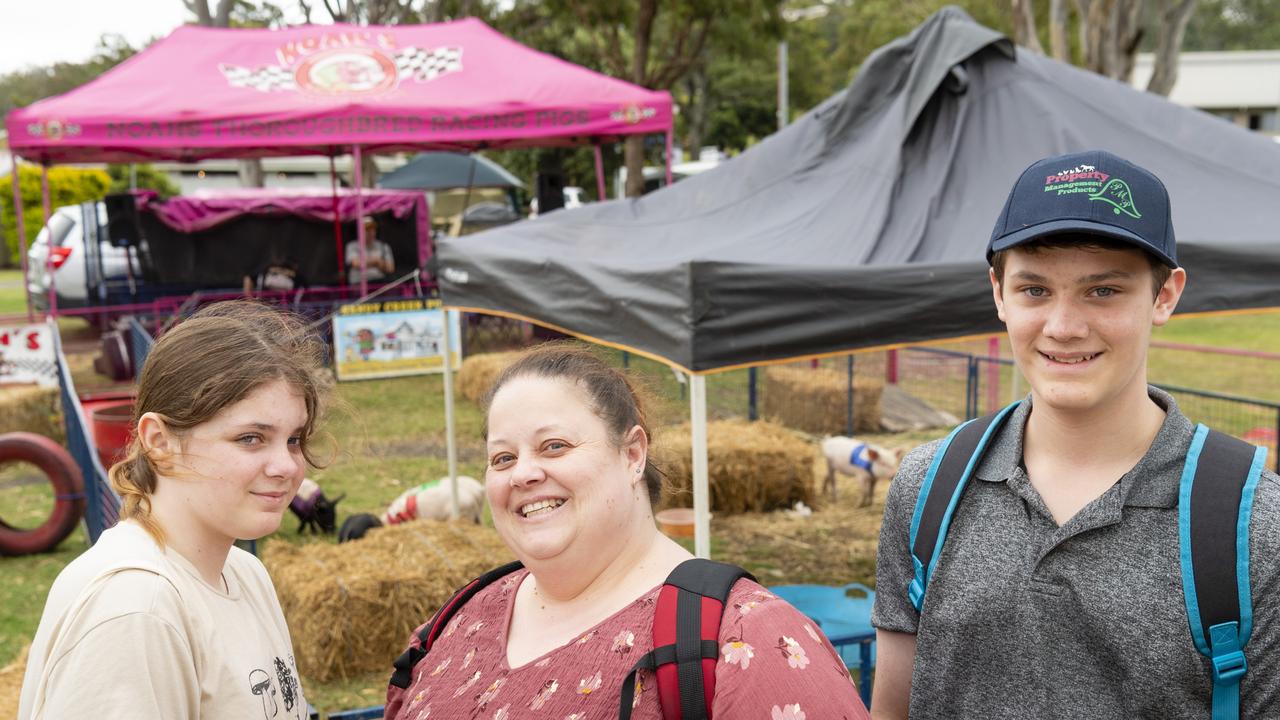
[865, 222]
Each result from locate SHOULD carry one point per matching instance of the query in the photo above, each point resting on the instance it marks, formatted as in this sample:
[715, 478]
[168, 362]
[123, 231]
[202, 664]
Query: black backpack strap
[953, 465]
[410, 658]
[1215, 502]
[686, 633]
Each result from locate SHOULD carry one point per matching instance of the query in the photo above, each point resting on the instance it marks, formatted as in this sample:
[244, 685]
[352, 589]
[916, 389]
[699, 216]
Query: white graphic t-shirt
[131, 630]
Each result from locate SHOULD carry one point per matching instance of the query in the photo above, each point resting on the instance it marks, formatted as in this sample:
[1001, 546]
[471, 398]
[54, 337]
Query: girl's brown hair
[615, 399]
[211, 361]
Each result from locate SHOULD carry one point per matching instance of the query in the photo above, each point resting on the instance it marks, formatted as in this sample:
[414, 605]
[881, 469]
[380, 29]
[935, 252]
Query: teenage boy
[1057, 592]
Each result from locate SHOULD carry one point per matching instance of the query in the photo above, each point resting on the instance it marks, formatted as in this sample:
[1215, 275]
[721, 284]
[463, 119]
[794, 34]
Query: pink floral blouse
[774, 665]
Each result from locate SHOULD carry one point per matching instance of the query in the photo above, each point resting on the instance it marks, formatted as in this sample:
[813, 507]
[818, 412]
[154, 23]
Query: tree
[220, 16]
[651, 43]
[143, 176]
[67, 186]
[1234, 25]
[396, 12]
[1109, 34]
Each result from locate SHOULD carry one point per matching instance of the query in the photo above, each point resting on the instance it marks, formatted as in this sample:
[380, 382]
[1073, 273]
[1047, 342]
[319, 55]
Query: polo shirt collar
[1153, 481]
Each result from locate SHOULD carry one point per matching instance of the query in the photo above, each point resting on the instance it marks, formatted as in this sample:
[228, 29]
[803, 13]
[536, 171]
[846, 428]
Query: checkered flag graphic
[26, 368]
[423, 65]
[268, 78]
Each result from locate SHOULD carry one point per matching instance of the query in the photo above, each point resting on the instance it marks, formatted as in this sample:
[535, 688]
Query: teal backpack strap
[948, 475]
[1215, 501]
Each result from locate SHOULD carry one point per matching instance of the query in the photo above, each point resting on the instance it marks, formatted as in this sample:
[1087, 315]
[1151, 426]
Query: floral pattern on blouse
[774, 665]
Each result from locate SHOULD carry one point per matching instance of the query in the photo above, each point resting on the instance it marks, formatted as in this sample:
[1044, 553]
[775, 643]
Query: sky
[42, 32]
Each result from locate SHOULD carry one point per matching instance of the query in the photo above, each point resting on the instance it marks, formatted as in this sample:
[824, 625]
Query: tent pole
[48, 258]
[337, 220]
[670, 142]
[600, 195]
[20, 228]
[451, 442]
[701, 497]
[359, 182]
[466, 199]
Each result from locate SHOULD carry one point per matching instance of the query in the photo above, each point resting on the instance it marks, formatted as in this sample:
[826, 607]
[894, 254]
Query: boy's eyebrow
[1104, 276]
[1028, 276]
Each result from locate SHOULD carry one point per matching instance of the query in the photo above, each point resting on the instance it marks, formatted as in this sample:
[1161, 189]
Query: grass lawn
[13, 300]
[1253, 331]
[390, 436]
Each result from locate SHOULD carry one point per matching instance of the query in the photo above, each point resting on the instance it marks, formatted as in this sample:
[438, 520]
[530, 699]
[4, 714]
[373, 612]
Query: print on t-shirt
[262, 684]
[288, 683]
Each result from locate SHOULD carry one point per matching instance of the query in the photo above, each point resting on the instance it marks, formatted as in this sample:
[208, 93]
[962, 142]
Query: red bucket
[111, 423]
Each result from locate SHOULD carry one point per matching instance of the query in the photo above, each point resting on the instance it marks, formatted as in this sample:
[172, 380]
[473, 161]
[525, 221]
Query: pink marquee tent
[213, 92]
[331, 89]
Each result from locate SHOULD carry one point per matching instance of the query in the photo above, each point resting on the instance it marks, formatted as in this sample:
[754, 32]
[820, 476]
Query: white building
[305, 171]
[1241, 86]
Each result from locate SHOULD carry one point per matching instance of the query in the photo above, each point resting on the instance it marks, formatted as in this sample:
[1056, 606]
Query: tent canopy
[444, 170]
[865, 222]
[217, 92]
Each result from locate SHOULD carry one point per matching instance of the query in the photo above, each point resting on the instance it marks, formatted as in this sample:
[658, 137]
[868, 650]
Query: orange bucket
[676, 522]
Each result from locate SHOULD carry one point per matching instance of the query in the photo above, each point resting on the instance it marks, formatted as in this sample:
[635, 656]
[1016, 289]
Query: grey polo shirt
[1026, 619]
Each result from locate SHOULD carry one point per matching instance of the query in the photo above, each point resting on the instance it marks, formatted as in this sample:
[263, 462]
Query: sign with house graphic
[390, 338]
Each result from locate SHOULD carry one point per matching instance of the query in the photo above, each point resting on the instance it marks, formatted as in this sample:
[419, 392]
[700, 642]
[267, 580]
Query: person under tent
[380, 261]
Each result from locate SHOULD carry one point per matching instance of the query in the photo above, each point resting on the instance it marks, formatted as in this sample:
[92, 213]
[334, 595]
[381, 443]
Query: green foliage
[67, 186]
[251, 14]
[142, 176]
[1234, 25]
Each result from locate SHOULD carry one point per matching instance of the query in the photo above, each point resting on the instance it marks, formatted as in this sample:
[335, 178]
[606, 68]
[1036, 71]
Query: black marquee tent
[865, 222]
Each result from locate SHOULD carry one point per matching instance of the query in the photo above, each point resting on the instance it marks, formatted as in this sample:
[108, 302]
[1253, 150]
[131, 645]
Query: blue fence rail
[140, 343]
[102, 504]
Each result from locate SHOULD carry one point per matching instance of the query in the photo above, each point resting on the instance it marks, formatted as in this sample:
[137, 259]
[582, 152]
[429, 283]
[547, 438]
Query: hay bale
[479, 372]
[33, 409]
[816, 400]
[351, 607]
[11, 684]
[751, 466]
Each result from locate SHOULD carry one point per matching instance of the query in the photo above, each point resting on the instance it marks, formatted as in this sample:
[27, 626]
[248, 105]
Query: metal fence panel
[140, 342]
[102, 505]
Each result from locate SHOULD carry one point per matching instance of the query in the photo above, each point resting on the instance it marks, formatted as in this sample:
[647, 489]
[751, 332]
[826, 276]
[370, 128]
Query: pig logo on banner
[352, 63]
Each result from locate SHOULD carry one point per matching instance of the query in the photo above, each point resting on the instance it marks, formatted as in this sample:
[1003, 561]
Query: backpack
[1214, 505]
[686, 631]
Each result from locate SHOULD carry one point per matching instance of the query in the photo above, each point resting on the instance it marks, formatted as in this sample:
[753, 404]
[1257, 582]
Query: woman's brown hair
[615, 399]
[211, 361]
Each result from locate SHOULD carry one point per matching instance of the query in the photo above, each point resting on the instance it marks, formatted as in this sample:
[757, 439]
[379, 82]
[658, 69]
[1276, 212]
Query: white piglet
[858, 459]
[433, 501]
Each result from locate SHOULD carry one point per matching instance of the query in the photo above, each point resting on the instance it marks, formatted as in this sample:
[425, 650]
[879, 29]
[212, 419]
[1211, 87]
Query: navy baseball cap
[1090, 193]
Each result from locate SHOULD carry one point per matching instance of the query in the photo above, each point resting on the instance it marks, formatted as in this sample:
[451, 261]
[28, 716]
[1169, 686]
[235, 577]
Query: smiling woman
[571, 489]
[163, 617]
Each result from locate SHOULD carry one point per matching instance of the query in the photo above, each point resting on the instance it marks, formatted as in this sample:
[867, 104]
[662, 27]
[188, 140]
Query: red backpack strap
[686, 640]
[404, 664]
